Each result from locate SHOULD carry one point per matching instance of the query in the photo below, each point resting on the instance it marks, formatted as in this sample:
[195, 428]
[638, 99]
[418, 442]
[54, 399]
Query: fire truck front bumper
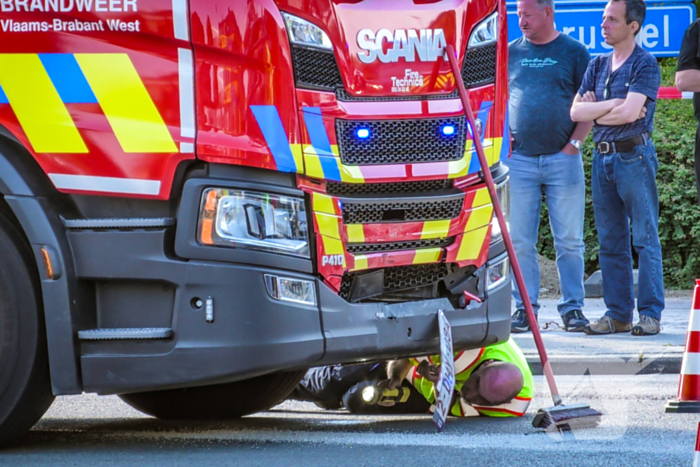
[229, 324]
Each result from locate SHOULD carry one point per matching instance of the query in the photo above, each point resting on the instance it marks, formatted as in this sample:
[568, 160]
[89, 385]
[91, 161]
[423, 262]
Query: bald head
[493, 383]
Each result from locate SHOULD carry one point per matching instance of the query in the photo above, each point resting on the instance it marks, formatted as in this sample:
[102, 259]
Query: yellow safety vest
[465, 363]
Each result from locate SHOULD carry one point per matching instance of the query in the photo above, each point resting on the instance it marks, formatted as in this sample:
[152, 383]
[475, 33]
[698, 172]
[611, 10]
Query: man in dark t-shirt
[688, 80]
[545, 70]
[619, 94]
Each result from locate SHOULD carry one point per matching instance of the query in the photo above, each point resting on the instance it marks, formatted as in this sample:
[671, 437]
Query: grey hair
[545, 3]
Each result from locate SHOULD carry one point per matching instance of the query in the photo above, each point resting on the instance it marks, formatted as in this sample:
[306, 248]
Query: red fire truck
[203, 198]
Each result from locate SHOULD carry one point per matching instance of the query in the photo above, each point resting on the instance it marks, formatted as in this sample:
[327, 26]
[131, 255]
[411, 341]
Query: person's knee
[569, 246]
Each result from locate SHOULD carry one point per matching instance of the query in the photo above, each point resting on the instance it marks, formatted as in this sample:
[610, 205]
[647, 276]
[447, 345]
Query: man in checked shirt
[618, 95]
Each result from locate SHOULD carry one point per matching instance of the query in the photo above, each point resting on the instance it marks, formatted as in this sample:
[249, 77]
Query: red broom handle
[464, 96]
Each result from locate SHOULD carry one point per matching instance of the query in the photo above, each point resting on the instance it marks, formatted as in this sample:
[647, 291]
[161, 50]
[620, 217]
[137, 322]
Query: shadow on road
[106, 433]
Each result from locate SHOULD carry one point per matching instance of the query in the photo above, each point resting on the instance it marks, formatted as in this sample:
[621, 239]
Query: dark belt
[625, 145]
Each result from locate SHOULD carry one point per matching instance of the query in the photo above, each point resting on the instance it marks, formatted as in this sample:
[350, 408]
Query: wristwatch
[576, 143]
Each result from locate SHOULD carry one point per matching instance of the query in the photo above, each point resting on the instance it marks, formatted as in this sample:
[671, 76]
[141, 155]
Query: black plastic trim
[61, 297]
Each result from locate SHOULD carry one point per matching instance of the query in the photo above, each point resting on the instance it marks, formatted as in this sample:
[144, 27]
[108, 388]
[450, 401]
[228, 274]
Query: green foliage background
[679, 216]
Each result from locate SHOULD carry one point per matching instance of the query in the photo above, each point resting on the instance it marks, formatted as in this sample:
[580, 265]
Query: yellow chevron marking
[37, 105]
[323, 203]
[360, 263]
[492, 151]
[298, 157]
[435, 229]
[479, 217]
[331, 246]
[126, 103]
[460, 168]
[428, 255]
[481, 198]
[312, 163]
[328, 226]
[350, 173]
[496, 153]
[356, 233]
[471, 244]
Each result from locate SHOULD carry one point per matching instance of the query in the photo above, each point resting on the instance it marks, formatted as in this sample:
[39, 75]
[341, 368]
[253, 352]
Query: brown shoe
[607, 325]
[647, 326]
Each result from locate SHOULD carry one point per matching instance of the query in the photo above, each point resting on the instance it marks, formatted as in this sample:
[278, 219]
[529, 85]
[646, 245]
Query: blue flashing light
[362, 133]
[448, 130]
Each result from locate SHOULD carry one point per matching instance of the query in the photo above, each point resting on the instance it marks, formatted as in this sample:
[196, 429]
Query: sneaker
[646, 326]
[607, 325]
[574, 321]
[519, 322]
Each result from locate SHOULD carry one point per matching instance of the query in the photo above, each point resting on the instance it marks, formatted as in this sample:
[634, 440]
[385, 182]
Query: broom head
[567, 417]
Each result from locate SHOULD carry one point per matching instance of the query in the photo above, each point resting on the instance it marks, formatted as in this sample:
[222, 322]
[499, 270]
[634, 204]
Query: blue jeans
[624, 192]
[560, 177]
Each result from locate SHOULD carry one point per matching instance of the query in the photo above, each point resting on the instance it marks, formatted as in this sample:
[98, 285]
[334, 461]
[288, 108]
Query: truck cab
[203, 198]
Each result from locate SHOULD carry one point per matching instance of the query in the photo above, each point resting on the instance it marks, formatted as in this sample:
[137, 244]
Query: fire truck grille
[349, 189]
[402, 211]
[410, 245]
[343, 95]
[479, 66]
[400, 141]
[401, 278]
[315, 68]
[318, 69]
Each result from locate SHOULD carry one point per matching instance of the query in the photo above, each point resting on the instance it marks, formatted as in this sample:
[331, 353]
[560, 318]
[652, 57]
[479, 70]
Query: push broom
[562, 416]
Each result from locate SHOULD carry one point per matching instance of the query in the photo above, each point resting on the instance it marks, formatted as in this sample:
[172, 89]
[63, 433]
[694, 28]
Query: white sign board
[446, 384]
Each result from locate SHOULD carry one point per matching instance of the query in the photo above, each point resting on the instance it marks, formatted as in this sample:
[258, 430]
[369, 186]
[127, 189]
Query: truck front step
[130, 223]
[124, 333]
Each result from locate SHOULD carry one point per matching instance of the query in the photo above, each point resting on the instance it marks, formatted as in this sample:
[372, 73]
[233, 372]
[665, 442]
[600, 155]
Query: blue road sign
[661, 34]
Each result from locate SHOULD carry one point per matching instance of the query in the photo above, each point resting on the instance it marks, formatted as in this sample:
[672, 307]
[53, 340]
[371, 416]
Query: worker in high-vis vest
[493, 381]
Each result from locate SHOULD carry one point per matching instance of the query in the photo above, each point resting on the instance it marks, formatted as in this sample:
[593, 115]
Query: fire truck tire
[25, 383]
[217, 402]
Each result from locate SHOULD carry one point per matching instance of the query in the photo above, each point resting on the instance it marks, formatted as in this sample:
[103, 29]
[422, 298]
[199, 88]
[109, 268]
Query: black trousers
[332, 387]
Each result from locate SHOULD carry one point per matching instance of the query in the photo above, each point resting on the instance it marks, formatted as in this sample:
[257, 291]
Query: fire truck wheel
[217, 402]
[25, 384]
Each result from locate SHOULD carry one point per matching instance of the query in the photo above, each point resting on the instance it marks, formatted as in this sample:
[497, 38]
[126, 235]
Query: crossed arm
[609, 112]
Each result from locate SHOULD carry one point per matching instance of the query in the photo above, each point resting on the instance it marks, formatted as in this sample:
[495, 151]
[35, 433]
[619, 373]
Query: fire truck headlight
[486, 32]
[302, 32]
[253, 220]
[503, 191]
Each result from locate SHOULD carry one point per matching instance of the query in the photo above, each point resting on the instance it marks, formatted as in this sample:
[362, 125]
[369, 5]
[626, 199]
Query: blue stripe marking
[320, 143]
[3, 97]
[483, 115]
[271, 125]
[505, 145]
[68, 78]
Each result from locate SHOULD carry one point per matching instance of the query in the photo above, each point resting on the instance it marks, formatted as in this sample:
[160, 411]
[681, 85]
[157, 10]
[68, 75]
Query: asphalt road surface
[98, 431]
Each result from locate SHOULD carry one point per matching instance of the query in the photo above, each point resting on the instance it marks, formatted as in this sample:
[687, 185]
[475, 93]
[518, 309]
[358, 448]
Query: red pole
[464, 96]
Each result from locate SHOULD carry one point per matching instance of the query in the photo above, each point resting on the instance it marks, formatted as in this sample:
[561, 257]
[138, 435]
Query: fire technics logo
[411, 79]
[429, 44]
